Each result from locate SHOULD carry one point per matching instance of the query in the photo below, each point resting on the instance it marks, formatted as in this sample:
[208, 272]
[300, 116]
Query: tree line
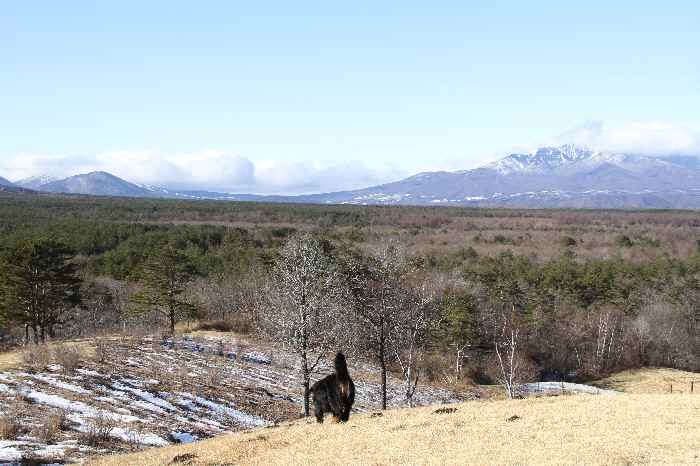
[503, 318]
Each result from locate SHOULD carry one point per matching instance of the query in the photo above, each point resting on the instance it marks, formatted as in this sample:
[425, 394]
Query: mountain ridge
[554, 176]
[5, 182]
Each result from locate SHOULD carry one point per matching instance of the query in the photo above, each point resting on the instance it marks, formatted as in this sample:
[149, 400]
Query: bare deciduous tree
[375, 283]
[302, 304]
[412, 328]
[505, 342]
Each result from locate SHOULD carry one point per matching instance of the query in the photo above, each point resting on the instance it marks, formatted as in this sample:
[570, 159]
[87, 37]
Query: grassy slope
[651, 380]
[623, 429]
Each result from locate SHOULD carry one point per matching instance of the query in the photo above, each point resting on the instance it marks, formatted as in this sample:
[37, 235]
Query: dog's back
[346, 388]
[334, 393]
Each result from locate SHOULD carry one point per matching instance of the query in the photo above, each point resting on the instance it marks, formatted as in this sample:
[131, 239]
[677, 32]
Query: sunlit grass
[627, 429]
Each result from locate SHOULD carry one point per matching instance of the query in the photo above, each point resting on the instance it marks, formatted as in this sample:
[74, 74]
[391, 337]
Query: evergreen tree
[165, 276]
[38, 286]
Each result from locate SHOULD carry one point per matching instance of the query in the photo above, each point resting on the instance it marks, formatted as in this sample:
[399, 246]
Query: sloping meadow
[137, 393]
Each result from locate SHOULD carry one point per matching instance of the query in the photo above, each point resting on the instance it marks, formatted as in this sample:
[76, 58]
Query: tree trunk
[382, 366]
[307, 377]
[172, 321]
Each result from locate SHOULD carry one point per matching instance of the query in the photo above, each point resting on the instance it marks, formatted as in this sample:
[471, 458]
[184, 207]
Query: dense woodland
[446, 294]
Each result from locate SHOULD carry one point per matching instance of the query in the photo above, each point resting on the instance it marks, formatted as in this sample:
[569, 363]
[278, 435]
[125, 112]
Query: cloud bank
[650, 138]
[208, 170]
[226, 172]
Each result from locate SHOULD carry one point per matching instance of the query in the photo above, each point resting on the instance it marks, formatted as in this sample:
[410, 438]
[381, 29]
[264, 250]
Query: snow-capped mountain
[96, 184]
[563, 176]
[541, 160]
[36, 182]
[4, 182]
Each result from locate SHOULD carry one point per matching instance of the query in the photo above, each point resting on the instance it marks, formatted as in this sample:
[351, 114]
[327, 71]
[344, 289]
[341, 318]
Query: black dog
[334, 393]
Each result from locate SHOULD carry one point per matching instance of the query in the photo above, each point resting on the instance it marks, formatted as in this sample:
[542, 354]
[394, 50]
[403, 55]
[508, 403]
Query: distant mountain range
[7, 186]
[4, 182]
[563, 176]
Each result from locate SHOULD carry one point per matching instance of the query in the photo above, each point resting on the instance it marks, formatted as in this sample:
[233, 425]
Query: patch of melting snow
[560, 387]
[54, 367]
[143, 438]
[72, 406]
[257, 357]
[58, 384]
[240, 417]
[133, 382]
[53, 451]
[183, 437]
[9, 450]
[90, 373]
[160, 405]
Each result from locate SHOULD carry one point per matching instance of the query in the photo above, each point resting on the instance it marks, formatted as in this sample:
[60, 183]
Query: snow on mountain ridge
[542, 159]
[34, 182]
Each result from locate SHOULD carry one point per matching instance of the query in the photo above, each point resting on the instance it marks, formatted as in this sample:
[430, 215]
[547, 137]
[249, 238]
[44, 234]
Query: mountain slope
[4, 182]
[564, 176]
[96, 184]
[35, 182]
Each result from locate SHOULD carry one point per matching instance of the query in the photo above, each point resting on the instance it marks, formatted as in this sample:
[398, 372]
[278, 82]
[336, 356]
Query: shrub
[215, 325]
[213, 377]
[69, 357]
[135, 434]
[37, 357]
[10, 426]
[50, 427]
[101, 350]
[568, 242]
[624, 241]
[99, 429]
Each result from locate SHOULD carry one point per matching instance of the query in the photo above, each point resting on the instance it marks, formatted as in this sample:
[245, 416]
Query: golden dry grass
[651, 380]
[14, 359]
[625, 429]
[10, 360]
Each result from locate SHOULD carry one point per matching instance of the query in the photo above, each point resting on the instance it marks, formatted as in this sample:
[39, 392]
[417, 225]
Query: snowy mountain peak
[35, 182]
[543, 159]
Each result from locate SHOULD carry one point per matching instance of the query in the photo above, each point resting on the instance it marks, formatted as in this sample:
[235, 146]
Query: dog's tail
[341, 367]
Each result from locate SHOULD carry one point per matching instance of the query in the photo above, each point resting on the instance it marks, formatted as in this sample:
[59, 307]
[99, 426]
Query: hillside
[95, 184]
[627, 429]
[149, 392]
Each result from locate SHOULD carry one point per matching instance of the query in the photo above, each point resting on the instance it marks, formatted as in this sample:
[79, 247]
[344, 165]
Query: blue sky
[303, 97]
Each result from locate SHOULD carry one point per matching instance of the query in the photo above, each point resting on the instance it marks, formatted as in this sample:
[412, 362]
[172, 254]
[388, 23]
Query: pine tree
[38, 286]
[165, 276]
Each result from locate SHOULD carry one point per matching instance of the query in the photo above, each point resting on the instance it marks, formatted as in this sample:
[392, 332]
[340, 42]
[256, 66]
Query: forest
[454, 296]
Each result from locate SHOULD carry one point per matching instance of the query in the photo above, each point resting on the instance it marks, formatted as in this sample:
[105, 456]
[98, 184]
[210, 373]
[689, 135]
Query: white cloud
[226, 172]
[207, 170]
[655, 138]
[303, 177]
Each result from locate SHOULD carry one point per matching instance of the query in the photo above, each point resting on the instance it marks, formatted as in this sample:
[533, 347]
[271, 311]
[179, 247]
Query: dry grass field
[652, 380]
[625, 429]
